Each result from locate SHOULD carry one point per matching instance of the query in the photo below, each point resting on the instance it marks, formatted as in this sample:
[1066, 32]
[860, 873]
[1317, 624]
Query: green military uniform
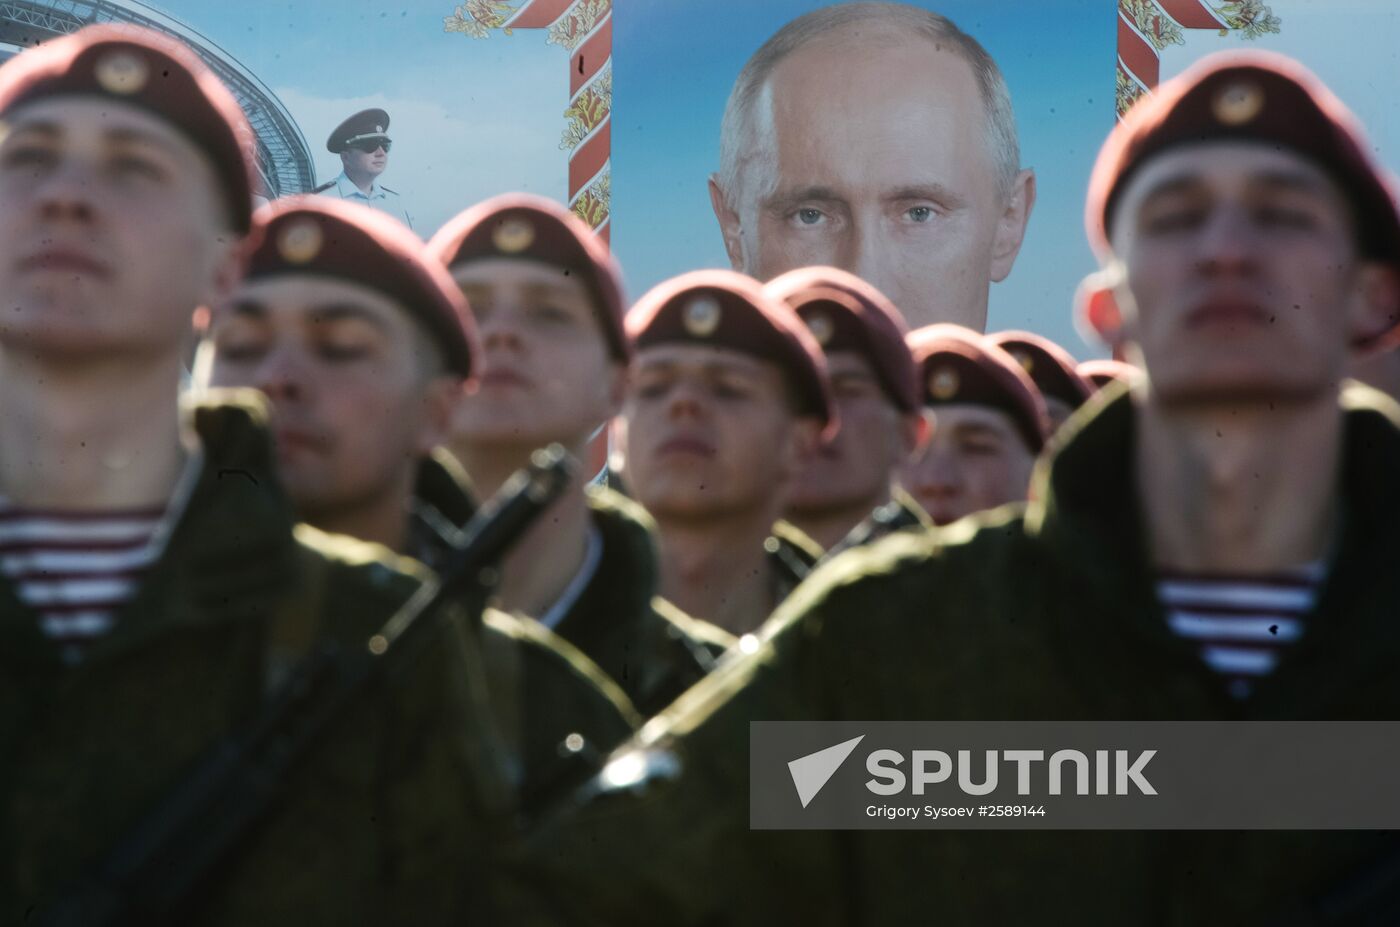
[1050, 615]
[651, 649]
[90, 747]
[442, 503]
[901, 513]
[544, 688]
[792, 555]
[395, 815]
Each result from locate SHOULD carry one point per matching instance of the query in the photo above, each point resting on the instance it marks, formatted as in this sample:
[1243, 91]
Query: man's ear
[1011, 227]
[1374, 313]
[728, 224]
[1096, 311]
[441, 397]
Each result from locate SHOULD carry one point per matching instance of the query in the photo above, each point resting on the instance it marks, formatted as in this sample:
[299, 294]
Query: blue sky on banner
[470, 118]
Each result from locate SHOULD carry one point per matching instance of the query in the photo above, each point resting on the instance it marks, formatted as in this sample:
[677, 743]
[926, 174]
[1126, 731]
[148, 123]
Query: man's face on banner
[870, 152]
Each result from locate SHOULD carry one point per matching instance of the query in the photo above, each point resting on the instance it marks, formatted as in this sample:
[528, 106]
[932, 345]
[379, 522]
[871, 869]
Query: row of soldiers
[173, 575]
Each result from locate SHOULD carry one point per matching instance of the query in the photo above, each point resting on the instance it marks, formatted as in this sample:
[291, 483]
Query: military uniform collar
[228, 554]
[347, 188]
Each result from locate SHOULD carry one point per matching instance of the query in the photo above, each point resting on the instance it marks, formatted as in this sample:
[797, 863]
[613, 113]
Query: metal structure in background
[284, 159]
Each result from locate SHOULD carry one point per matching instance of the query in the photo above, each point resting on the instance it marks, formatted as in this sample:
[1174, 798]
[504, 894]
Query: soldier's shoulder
[388, 190]
[545, 648]
[797, 541]
[328, 185]
[679, 624]
[358, 584]
[610, 504]
[921, 570]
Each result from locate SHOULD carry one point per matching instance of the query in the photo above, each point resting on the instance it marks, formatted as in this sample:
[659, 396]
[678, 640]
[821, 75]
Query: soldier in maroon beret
[555, 358]
[363, 343]
[729, 400]
[987, 423]
[1051, 369]
[849, 484]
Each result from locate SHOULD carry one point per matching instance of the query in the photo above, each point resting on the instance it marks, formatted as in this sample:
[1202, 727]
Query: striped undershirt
[76, 569]
[1242, 623]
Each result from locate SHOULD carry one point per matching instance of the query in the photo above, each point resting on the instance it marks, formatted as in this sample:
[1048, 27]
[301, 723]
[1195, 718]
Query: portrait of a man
[878, 138]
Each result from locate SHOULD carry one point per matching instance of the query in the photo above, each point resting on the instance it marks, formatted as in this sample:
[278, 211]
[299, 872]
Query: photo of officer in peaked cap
[363, 146]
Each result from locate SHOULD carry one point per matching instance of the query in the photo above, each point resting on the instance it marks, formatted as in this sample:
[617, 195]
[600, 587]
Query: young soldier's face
[975, 459]
[357, 393]
[859, 462]
[112, 231]
[711, 433]
[1242, 274]
[545, 373]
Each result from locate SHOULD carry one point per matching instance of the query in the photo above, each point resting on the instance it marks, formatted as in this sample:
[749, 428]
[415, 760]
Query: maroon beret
[532, 228]
[324, 237]
[1102, 371]
[152, 72]
[960, 366]
[844, 313]
[1050, 367]
[1249, 95]
[728, 310]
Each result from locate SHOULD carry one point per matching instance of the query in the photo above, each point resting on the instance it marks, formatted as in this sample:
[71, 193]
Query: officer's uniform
[1050, 615]
[365, 125]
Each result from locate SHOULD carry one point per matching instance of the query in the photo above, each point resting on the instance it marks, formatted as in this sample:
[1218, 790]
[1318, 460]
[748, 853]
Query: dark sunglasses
[370, 145]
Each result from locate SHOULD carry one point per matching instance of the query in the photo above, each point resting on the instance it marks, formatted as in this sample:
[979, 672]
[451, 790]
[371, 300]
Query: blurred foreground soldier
[154, 590]
[848, 486]
[1100, 372]
[1052, 370]
[363, 344]
[364, 147]
[1255, 242]
[548, 299]
[728, 402]
[986, 425]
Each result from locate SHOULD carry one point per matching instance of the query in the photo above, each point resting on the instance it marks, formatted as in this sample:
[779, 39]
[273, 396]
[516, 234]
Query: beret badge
[300, 242]
[513, 236]
[122, 72]
[1238, 103]
[943, 383]
[702, 316]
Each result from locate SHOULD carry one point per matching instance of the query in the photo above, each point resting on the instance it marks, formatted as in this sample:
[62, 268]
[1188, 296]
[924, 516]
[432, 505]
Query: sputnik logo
[812, 772]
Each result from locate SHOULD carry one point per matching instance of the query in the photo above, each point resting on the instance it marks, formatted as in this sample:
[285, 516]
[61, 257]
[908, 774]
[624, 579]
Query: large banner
[620, 112]
[1068, 64]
